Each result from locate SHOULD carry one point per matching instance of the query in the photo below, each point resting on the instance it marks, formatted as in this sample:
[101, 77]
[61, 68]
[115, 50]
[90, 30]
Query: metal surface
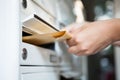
[38, 56]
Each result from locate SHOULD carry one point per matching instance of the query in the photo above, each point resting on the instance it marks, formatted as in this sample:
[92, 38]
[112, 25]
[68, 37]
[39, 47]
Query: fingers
[79, 47]
[73, 49]
[78, 51]
[71, 42]
[74, 45]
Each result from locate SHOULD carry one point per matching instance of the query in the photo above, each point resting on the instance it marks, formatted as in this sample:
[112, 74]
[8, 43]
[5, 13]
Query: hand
[92, 37]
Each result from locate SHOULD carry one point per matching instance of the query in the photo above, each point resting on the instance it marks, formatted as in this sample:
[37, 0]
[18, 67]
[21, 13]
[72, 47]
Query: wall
[9, 39]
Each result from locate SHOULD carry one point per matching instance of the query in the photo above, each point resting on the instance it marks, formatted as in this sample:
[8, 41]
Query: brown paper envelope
[39, 39]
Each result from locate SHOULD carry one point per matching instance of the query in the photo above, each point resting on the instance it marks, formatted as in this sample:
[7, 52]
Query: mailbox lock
[24, 54]
[24, 3]
[53, 58]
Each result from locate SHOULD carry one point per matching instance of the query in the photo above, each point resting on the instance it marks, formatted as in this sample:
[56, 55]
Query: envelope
[42, 32]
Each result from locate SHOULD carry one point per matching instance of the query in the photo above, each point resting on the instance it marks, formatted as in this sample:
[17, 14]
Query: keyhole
[24, 3]
[24, 54]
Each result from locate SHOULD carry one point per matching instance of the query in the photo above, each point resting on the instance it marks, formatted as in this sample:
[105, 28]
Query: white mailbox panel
[40, 76]
[47, 5]
[39, 73]
[35, 55]
[34, 8]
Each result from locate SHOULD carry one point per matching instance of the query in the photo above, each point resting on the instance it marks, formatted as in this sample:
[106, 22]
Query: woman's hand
[90, 38]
